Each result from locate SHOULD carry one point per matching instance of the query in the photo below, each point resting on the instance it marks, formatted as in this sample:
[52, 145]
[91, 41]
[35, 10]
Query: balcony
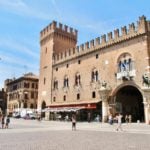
[127, 74]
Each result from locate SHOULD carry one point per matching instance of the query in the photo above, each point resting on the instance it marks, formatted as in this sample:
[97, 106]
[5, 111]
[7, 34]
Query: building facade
[22, 93]
[109, 74]
[3, 101]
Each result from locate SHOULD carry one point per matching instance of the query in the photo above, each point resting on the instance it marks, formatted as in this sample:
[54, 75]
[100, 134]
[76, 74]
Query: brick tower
[54, 39]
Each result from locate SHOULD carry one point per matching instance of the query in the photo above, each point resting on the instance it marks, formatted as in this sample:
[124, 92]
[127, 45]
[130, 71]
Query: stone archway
[43, 107]
[129, 101]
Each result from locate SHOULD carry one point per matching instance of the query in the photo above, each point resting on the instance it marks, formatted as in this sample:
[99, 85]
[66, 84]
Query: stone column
[146, 102]
[47, 115]
[104, 110]
[104, 92]
[22, 104]
[146, 112]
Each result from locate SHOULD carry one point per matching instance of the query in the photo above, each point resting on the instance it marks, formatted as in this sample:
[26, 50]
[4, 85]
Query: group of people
[111, 119]
[128, 118]
[118, 120]
[4, 121]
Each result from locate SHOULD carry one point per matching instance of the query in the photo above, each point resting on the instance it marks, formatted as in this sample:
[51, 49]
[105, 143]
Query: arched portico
[127, 99]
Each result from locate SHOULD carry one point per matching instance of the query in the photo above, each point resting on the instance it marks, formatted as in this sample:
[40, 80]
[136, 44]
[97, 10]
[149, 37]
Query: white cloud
[16, 60]
[18, 47]
[19, 7]
[98, 27]
[12, 3]
[11, 66]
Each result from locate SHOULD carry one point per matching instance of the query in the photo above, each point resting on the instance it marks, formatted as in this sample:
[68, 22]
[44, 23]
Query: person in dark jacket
[7, 122]
[73, 122]
[3, 121]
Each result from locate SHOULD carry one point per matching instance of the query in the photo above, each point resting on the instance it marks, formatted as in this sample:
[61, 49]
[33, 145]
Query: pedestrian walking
[3, 121]
[89, 117]
[39, 118]
[127, 119]
[119, 124]
[110, 119]
[130, 118]
[97, 118]
[73, 122]
[66, 118]
[7, 122]
[0, 117]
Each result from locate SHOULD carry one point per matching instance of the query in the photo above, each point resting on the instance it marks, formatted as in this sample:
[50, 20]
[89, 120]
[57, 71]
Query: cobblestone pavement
[45, 135]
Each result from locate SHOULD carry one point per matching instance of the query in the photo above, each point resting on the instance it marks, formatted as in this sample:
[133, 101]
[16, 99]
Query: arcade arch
[128, 100]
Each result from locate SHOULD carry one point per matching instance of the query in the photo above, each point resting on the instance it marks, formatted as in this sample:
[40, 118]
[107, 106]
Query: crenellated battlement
[111, 38]
[58, 27]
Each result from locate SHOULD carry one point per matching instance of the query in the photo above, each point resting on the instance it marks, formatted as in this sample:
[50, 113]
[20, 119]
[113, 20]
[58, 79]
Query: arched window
[77, 79]
[125, 63]
[93, 94]
[55, 84]
[43, 105]
[25, 104]
[66, 81]
[31, 106]
[94, 75]
[130, 62]
[78, 96]
[54, 99]
[64, 97]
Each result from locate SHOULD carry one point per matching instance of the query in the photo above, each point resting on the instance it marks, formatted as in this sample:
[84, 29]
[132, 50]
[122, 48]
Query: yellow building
[22, 93]
[108, 75]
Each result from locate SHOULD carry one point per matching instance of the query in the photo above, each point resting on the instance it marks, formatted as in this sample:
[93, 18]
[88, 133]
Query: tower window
[77, 80]
[94, 75]
[97, 56]
[56, 69]
[78, 96]
[45, 50]
[67, 65]
[79, 61]
[44, 80]
[33, 85]
[32, 94]
[66, 82]
[64, 97]
[56, 84]
[93, 94]
[54, 99]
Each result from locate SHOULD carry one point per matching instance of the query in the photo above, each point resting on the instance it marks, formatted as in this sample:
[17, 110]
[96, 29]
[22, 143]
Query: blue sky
[22, 20]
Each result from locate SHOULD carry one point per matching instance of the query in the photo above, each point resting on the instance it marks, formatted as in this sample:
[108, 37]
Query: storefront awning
[62, 109]
[69, 108]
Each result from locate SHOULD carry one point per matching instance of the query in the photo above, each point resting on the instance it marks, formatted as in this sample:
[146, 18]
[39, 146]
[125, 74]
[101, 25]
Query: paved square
[45, 135]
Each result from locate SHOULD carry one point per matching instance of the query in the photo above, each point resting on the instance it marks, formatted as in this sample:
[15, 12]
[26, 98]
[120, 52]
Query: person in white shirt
[119, 120]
